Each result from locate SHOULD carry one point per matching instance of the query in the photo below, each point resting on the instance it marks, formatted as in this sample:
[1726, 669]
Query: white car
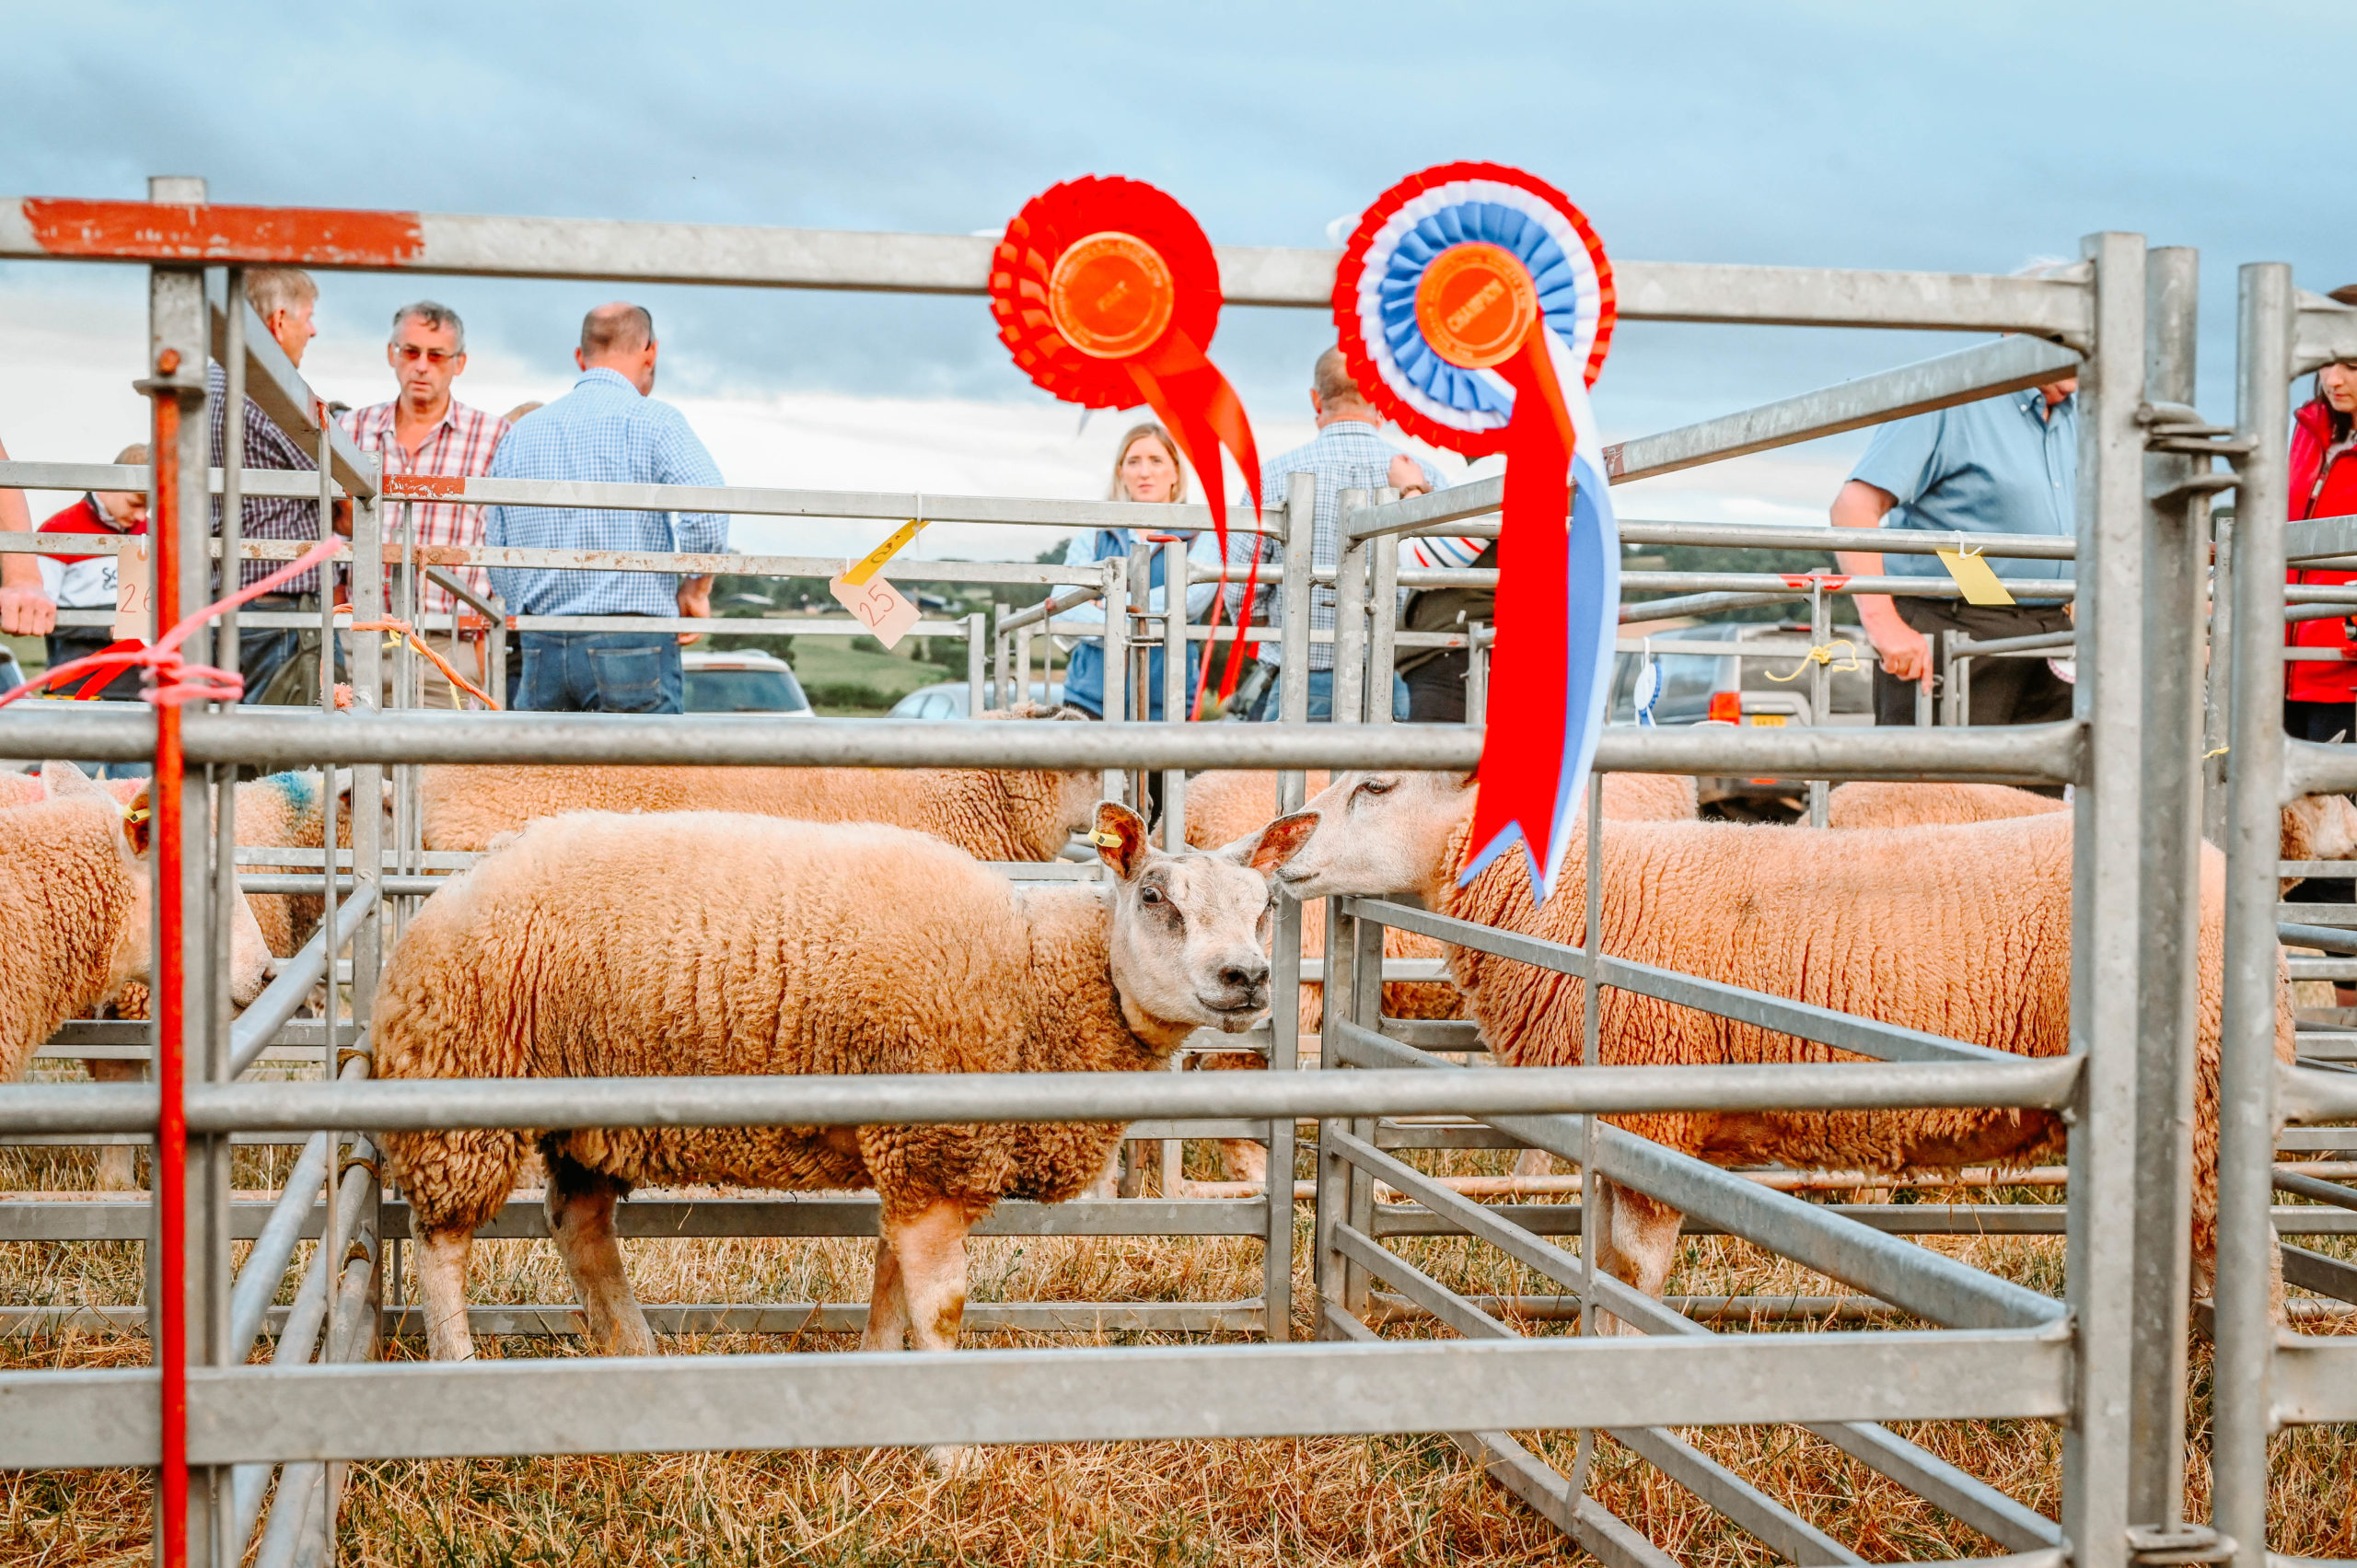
[947, 700]
[742, 682]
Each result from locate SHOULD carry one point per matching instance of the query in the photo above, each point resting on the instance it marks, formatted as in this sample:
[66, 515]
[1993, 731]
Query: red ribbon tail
[1204, 413]
[1522, 751]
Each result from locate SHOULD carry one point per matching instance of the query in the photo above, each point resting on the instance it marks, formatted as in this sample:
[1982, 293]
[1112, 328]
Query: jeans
[1321, 699]
[601, 672]
[263, 653]
[1085, 679]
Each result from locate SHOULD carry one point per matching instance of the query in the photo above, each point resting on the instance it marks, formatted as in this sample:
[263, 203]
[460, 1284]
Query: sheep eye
[1375, 786]
[1150, 896]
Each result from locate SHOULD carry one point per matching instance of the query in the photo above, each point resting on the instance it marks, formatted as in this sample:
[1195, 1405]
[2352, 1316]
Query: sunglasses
[412, 353]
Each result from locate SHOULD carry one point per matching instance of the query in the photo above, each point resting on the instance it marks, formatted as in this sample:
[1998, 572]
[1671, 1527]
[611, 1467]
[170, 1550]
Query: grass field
[1389, 1500]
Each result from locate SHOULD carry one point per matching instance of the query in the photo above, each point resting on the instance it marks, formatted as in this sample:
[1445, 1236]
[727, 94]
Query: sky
[1964, 137]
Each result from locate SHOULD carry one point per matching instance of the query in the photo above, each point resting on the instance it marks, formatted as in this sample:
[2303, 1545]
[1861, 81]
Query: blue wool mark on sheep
[301, 791]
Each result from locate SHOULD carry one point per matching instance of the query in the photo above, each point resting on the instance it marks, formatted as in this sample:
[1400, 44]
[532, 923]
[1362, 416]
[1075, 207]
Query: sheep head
[133, 829]
[1190, 942]
[1378, 834]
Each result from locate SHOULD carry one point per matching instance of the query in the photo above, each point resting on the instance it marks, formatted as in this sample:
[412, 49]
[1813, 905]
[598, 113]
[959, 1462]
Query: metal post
[2217, 715]
[1350, 615]
[1285, 1013]
[1117, 659]
[977, 634]
[2104, 886]
[2242, 1375]
[1001, 694]
[1955, 707]
[1141, 662]
[1023, 666]
[1820, 684]
[1591, 1052]
[1383, 617]
[1477, 674]
[2170, 900]
[1176, 690]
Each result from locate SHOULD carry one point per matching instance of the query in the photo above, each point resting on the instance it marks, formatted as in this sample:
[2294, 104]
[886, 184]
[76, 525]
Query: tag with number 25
[880, 607]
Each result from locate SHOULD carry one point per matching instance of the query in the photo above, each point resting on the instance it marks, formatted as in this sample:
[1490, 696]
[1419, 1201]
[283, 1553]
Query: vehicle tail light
[1727, 707]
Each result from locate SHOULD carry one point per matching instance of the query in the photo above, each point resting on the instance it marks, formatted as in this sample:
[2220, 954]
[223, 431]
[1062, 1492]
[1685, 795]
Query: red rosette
[1024, 266]
[1107, 293]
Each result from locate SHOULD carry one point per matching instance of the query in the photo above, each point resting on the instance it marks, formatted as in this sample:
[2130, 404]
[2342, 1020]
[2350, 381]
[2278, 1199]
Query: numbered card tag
[880, 607]
[134, 593]
[1974, 576]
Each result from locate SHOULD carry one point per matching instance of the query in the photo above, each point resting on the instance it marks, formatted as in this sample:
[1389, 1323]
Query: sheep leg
[1639, 1237]
[440, 1264]
[581, 1219]
[931, 1244]
[887, 1302]
[1241, 1159]
[118, 1163]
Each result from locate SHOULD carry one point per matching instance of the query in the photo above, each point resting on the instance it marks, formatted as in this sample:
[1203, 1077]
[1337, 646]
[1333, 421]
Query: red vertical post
[171, 978]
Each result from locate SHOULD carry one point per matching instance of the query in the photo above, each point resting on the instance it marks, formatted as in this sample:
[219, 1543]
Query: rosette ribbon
[1475, 307]
[1106, 292]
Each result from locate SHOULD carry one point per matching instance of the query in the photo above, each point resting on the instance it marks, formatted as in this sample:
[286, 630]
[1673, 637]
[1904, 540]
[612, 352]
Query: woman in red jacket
[2320, 695]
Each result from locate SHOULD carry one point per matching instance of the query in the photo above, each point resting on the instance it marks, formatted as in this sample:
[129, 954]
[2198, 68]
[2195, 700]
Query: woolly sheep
[989, 814]
[2315, 827]
[1962, 931]
[1222, 807]
[280, 810]
[75, 899]
[711, 943]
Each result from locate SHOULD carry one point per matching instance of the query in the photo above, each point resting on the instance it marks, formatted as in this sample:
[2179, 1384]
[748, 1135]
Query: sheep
[2315, 827]
[281, 810]
[704, 942]
[1222, 807]
[991, 814]
[1871, 805]
[74, 899]
[1877, 930]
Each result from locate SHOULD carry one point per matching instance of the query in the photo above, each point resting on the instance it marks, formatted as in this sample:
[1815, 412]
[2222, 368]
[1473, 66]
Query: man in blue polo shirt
[2007, 464]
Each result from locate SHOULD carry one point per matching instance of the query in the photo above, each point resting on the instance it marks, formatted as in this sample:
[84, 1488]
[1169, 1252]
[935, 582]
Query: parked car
[947, 700]
[742, 682]
[1700, 688]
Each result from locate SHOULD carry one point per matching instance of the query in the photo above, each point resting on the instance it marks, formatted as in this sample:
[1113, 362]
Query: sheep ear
[1275, 845]
[1121, 838]
[139, 820]
[59, 780]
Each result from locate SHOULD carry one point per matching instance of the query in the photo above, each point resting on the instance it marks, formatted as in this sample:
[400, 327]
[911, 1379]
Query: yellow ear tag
[1103, 840]
[1974, 576]
[140, 814]
[874, 560]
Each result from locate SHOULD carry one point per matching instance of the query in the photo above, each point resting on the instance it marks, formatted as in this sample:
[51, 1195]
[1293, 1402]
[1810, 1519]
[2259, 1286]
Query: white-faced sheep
[74, 901]
[1222, 807]
[1961, 931]
[991, 814]
[709, 942]
[281, 810]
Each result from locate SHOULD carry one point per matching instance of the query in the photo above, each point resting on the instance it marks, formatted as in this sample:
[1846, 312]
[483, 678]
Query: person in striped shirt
[425, 430]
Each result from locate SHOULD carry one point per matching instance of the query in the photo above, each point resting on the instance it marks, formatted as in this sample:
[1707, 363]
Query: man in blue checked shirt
[606, 430]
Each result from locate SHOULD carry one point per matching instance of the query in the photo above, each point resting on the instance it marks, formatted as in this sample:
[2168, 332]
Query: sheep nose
[1250, 975]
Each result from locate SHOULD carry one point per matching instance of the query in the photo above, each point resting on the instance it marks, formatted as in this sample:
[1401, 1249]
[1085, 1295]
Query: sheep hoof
[945, 1459]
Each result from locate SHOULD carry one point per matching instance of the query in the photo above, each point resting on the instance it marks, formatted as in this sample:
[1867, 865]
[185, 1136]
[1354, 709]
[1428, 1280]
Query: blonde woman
[1146, 468]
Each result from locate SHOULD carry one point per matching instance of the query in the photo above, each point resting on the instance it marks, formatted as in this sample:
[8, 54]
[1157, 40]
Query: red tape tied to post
[1106, 292]
[1475, 307]
[176, 683]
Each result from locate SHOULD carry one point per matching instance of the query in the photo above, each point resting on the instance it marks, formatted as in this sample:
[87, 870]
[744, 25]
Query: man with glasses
[425, 430]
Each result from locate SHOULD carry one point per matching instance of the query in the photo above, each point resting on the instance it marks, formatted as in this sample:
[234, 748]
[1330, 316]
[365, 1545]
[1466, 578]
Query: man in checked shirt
[608, 429]
[280, 663]
[426, 431]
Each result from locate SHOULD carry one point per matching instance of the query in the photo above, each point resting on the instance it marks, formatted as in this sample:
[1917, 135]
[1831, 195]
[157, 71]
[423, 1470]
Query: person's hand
[1906, 653]
[340, 519]
[27, 613]
[1406, 477]
[695, 599]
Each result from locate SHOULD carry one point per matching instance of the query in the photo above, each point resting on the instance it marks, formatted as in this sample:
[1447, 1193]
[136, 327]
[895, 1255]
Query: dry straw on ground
[1386, 1501]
